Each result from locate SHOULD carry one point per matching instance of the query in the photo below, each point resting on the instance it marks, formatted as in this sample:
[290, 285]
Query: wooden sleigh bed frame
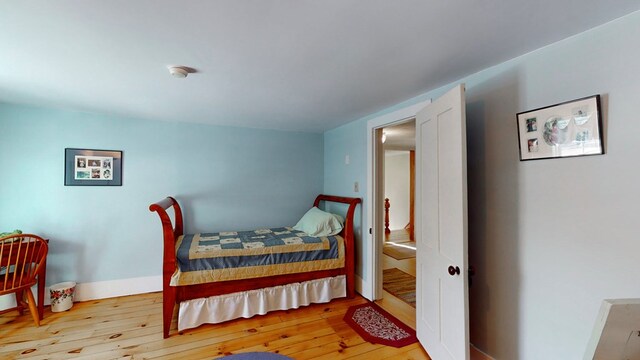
[172, 295]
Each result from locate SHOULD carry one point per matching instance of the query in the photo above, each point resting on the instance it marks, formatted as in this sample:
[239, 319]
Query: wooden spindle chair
[21, 259]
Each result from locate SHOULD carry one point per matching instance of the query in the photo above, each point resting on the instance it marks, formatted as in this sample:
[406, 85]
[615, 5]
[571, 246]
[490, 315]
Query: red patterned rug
[378, 326]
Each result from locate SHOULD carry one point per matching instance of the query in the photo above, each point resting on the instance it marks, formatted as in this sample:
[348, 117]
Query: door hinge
[471, 272]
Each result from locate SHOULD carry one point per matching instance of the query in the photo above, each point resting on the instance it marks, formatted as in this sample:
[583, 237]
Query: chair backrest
[21, 258]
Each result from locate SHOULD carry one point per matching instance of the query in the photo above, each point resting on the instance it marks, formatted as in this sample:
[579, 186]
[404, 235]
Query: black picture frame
[90, 167]
[568, 129]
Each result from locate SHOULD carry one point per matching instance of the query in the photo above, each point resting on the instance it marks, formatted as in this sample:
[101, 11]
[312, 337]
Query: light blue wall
[340, 178]
[225, 178]
[550, 239]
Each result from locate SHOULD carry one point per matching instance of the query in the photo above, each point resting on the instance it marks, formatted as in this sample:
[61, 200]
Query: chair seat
[18, 285]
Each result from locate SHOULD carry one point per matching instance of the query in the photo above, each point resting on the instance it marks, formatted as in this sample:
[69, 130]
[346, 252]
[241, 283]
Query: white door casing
[442, 297]
[371, 287]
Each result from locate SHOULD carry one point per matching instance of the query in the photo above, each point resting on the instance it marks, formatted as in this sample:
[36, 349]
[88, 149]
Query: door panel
[441, 231]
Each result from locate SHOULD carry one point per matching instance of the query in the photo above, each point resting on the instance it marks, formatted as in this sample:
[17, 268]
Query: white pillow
[319, 223]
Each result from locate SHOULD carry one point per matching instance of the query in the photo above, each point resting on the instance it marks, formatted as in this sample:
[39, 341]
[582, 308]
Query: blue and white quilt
[223, 256]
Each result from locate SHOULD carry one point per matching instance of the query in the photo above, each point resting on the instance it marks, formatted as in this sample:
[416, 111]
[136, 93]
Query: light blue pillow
[319, 223]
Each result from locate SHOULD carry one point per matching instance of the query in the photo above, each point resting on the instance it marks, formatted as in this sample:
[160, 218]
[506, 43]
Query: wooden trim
[387, 205]
[412, 193]
[188, 292]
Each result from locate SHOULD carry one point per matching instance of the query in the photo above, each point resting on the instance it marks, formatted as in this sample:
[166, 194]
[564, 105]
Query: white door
[442, 311]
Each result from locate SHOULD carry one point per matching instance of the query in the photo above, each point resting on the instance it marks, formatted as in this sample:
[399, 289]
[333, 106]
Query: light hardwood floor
[396, 307]
[131, 328]
[400, 235]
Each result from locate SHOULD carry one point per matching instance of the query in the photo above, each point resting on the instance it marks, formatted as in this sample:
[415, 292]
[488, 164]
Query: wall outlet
[347, 160]
[356, 187]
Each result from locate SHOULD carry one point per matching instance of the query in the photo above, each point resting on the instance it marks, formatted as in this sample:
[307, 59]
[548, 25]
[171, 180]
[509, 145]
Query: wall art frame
[568, 129]
[90, 167]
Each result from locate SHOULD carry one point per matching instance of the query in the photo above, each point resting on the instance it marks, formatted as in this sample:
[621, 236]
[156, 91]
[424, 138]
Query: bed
[206, 292]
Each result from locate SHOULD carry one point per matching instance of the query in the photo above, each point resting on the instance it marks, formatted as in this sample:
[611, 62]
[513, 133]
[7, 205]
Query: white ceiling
[308, 65]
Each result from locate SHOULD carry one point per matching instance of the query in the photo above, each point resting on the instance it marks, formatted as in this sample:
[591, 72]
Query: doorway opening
[396, 178]
[372, 286]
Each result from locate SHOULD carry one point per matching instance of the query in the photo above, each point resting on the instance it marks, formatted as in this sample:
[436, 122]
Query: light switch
[347, 160]
[356, 187]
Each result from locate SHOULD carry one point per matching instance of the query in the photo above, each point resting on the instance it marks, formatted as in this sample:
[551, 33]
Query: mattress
[236, 255]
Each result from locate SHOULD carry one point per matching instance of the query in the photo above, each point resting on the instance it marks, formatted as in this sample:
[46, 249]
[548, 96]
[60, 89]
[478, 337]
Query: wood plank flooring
[131, 328]
[400, 235]
[395, 306]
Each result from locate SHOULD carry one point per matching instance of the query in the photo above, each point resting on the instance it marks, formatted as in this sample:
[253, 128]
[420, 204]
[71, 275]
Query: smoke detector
[179, 72]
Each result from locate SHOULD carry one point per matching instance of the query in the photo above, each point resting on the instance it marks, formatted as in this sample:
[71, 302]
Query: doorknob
[454, 270]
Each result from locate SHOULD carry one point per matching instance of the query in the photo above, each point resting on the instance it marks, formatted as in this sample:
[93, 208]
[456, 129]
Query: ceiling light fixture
[178, 72]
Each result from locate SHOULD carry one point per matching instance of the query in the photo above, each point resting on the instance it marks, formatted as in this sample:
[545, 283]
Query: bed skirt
[216, 309]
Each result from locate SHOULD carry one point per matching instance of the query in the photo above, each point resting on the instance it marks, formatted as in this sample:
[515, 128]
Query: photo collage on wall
[93, 168]
[567, 129]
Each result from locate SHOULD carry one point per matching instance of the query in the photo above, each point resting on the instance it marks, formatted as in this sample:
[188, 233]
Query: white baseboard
[100, 290]
[123, 287]
[115, 288]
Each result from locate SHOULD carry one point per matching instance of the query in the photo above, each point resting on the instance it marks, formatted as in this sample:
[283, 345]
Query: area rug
[400, 284]
[400, 251]
[377, 326]
[255, 356]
